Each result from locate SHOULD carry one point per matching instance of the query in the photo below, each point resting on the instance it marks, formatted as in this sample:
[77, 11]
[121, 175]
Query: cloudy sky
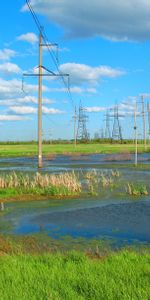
[103, 45]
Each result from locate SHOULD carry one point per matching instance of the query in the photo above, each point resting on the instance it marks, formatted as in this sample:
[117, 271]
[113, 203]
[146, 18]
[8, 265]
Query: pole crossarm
[51, 73]
[38, 75]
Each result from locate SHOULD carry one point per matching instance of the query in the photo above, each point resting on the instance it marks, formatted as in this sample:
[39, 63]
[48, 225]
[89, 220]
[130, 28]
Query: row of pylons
[82, 120]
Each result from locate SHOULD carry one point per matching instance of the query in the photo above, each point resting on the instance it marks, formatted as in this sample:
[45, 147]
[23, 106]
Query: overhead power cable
[50, 50]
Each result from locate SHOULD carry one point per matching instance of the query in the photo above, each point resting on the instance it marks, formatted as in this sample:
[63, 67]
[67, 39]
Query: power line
[50, 50]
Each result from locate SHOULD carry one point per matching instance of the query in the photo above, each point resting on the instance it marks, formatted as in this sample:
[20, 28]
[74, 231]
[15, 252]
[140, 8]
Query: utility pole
[40, 162]
[75, 135]
[144, 121]
[40, 76]
[148, 110]
[135, 129]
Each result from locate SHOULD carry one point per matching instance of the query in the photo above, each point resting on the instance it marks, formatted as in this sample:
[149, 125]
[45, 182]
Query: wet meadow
[80, 226]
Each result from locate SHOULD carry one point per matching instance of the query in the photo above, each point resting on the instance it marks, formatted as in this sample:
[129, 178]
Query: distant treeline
[61, 141]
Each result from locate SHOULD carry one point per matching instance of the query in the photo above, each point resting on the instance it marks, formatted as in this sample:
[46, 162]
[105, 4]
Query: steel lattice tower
[102, 133]
[116, 132]
[82, 133]
[107, 126]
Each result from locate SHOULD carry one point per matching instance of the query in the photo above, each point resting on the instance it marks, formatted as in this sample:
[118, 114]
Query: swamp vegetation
[72, 183]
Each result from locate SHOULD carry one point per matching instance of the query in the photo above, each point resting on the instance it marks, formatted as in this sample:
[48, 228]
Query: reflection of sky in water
[125, 221]
[63, 162]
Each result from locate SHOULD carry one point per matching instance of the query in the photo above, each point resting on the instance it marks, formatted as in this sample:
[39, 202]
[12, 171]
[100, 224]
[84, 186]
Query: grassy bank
[72, 276]
[31, 149]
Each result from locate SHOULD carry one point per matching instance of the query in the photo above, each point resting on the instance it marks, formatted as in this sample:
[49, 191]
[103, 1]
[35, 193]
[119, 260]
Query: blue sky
[104, 46]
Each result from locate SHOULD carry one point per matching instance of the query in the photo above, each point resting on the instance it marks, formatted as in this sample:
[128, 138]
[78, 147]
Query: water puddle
[107, 219]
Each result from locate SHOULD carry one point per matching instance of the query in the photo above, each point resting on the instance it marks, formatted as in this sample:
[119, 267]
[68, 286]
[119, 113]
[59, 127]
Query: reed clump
[136, 189]
[61, 184]
[97, 180]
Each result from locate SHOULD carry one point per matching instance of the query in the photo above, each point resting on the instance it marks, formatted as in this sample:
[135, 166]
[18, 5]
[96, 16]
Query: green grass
[31, 149]
[136, 189]
[74, 276]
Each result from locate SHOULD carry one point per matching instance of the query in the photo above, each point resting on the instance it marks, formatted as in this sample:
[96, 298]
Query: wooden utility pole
[40, 162]
[135, 129]
[40, 76]
[144, 121]
[75, 134]
[148, 110]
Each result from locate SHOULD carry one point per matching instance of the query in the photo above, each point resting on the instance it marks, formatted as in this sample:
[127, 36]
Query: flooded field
[59, 163]
[108, 216]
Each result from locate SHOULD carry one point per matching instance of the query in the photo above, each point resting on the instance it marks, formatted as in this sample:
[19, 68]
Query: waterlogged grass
[31, 149]
[19, 186]
[14, 184]
[72, 276]
[136, 189]
[40, 243]
[98, 181]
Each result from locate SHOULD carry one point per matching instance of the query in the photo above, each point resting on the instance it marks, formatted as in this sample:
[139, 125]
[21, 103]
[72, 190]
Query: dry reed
[66, 180]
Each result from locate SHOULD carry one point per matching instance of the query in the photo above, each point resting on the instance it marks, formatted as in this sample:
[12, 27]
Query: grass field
[31, 149]
[74, 276]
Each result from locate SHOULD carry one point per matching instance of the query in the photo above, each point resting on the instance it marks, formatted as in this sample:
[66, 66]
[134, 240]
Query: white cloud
[9, 68]
[9, 88]
[52, 111]
[26, 99]
[126, 106]
[116, 20]
[13, 118]
[25, 110]
[84, 74]
[95, 109]
[74, 89]
[6, 54]
[29, 37]
[13, 88]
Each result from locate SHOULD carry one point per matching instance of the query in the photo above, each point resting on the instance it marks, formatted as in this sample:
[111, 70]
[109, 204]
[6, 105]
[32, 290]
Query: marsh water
[107, 216]
[61, 163]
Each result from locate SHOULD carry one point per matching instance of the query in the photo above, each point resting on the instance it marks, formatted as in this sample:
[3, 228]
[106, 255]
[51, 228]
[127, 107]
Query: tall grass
[74, 276]
[97, 180]
[60, 184]
[136, 189]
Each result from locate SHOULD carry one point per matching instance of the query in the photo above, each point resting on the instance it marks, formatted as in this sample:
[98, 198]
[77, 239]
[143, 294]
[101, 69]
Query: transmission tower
[101, 133]
[82, 133]
[117, 131]
[107, 126]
